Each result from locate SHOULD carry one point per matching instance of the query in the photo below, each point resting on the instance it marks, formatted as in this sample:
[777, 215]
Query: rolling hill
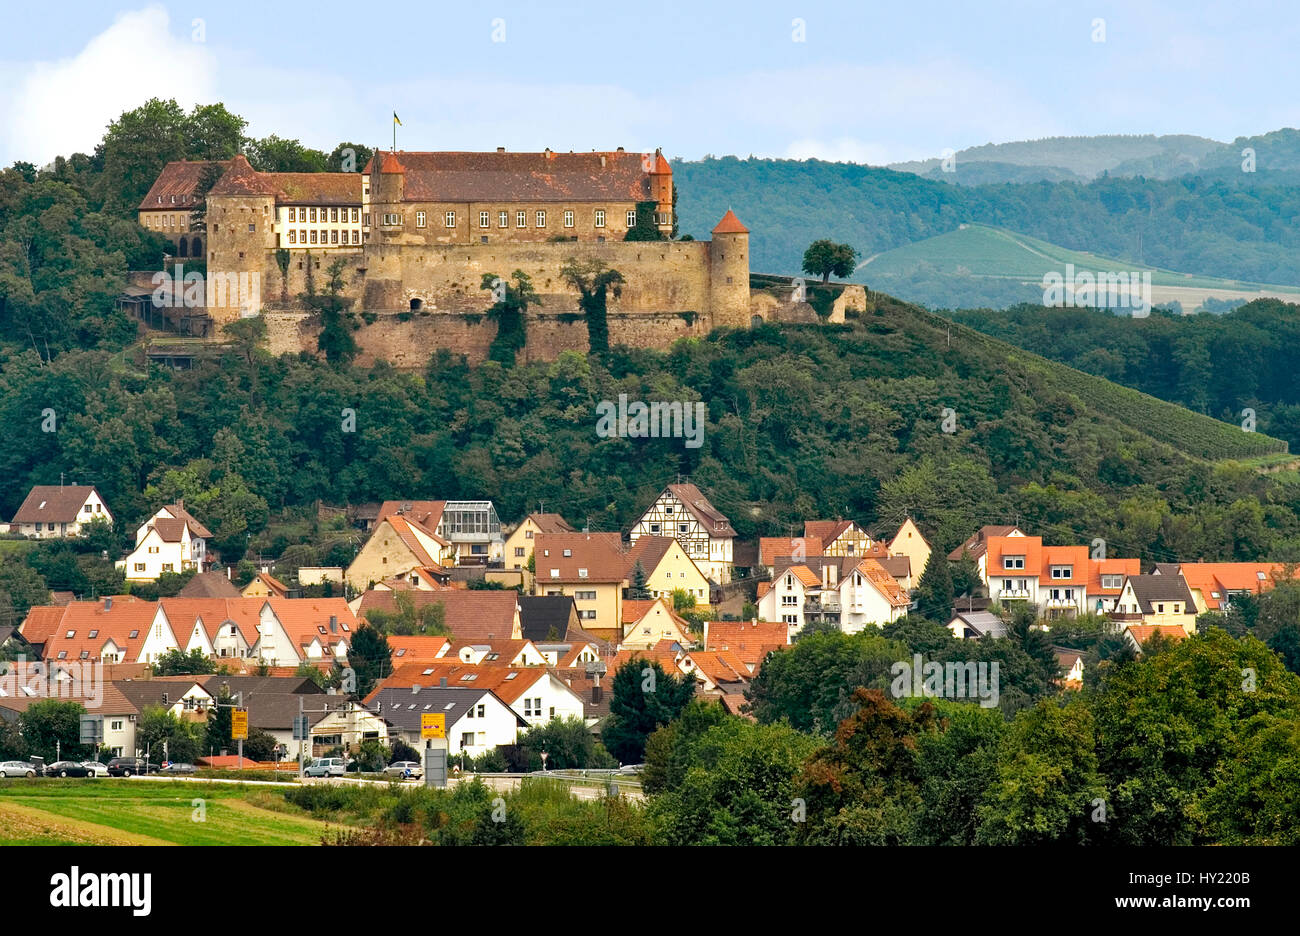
[953, 266]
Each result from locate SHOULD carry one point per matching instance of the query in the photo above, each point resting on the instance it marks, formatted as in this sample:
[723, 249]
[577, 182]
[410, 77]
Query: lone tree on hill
[825, 258]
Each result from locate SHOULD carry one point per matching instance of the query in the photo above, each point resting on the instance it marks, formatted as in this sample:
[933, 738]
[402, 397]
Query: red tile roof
[307, 619]
[41, 622]
[977, 545]
[599, 555]
[470, 614]
[751, 641]
[125, 617]
[730, 224]
[51, 503]
[184, 613]
[177, 180]
[1211, 578]
[1075, 557]
[522, 177]
[772, 547]
[1031, 547]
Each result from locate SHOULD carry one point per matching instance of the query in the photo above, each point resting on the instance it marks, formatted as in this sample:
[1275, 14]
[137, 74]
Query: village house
[908, 542]
[1156, 600]
[839, 537]
[119, 713]
[848, 591]
[976, 548]
[648, 622]
[471, 529]
[535, 694]
[169, 541]
[667, 569]
[519, 545]
[592, 569]
[303, 630]
[972, 625]
[705, 534]
[1137, 635]
[398, 546]
[1214, 585]
[265, 585]
[750, 641]
[547, 617]
[477, 720]
[56, 511]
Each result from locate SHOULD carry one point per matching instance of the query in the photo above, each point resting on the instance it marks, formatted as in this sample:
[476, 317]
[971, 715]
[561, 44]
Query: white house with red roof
[55, 511]
[172, 540]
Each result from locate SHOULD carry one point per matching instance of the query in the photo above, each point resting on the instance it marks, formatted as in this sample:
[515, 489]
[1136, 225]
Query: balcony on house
[1012, 593]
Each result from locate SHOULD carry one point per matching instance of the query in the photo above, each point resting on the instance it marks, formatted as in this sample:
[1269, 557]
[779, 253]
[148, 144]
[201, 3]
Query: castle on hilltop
[416, 232]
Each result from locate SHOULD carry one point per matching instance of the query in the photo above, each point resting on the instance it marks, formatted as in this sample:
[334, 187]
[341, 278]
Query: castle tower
[661, 190]
[729, 273]
[241, 220]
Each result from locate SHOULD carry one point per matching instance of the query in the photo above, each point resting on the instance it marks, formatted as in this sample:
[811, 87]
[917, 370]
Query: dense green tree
[642, 698]
[825, 258]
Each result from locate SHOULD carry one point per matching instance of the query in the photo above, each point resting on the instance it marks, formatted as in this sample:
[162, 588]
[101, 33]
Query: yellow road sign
[433, 725]
[239, 724]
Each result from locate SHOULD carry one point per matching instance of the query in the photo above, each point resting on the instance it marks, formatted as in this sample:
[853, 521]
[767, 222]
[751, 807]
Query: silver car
[17, 768]
[406, 769]
[96, 768]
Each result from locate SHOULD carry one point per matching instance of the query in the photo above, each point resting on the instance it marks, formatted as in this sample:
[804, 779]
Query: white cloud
[63, 107]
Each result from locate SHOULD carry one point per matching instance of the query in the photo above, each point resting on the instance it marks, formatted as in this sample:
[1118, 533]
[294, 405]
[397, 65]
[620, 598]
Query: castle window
[365, 219]
[503, 219]
[600, 217]
[484, 219]
[355, 212]
[293, 237]
[334, 214]
[521, 219]
[483, 239]
[356, 237]
[419, 219]
[302, 237]
[252, 228]
[541, 219]
[313, 236]
[631, 218]
[450, 220]
[293, 214]
[334, 237]
[311, 214]
[568, 219]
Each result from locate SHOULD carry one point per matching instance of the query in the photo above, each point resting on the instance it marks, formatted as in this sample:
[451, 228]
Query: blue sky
[870, 82]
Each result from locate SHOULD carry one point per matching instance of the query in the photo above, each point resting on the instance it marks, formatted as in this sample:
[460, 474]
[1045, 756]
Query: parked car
[406, 769]
[178, 769]
[631, 769]
[17, 768]
[96, 768]
[325, 767]
[68, 768]
[129, 766]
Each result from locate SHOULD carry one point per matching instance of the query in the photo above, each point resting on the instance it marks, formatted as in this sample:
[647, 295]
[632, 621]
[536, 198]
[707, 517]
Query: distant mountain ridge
[1083, 158]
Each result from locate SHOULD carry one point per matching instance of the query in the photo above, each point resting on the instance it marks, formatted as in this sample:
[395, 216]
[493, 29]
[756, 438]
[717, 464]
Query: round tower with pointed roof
[729, 273]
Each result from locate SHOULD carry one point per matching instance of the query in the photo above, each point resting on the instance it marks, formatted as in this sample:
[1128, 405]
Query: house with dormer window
[56, 511]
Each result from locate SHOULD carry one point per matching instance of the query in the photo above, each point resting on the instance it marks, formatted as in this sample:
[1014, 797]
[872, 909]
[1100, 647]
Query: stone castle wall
[410, 340]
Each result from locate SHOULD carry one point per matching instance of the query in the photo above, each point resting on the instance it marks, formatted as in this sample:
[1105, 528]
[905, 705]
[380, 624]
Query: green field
[984, 250]
[149, 812]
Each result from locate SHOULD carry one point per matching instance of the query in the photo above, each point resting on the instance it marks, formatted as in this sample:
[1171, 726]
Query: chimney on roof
[501, 149]
[596, 692]
[602, 160]
[442, 682]
[108, 603]
[334, 623]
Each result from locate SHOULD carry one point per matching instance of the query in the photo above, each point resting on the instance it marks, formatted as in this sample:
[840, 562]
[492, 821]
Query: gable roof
[883, 582]
[977, 545]
[209, 585]
[1121, 567]
[1141, 633]
[416, 648]
[540, 614]
[599, 554]
[402, 707]
[983, 623]
[41, 622]
[126, 616]
[308, 619]
[522, 177]
[179, 512]
[651, 550]
[183, 612]
[179, 180]
[1215, 580]
[1076, 557]
[770, 548]
[111, 701]
[550, 523]
[427, 513]
[827, 531]
[713, 520]
[289, 188]
[1148, 589]
[52, 503]
[751, 641]
[1031, 547]
[469, 614]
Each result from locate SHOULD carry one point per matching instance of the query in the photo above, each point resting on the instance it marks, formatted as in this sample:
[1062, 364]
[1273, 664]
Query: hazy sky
[869, 82]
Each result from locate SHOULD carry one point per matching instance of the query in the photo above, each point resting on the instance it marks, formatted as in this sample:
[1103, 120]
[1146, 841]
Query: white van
[325, 767]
